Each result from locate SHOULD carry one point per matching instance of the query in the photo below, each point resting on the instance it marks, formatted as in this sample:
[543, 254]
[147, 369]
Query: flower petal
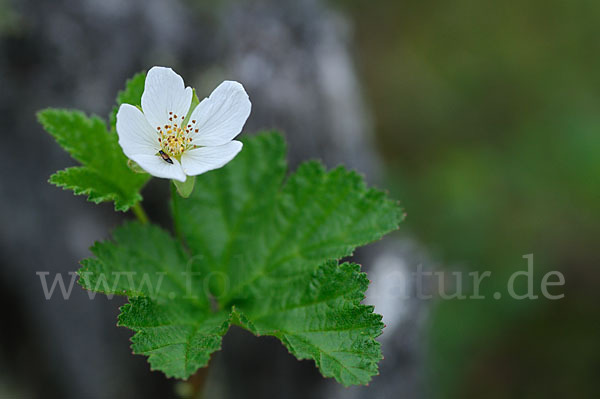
[200, 160]
[158, 167]
[221, 117]
[136, 136]
[165, 92]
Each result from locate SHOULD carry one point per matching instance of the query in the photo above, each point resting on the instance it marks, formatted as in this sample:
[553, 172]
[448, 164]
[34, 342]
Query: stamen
[175, 140]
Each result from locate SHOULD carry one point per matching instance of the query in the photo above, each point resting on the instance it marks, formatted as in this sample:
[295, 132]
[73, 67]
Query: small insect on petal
[165, 157]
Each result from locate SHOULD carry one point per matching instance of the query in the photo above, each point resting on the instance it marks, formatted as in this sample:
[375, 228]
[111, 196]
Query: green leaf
[274, 241]
[178, 337]
[318, 316]
[132, 94]
[172, 317]
[264, 256]
[104, 174]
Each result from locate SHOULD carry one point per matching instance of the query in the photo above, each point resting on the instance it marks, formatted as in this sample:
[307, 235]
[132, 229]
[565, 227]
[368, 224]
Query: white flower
[165, 143]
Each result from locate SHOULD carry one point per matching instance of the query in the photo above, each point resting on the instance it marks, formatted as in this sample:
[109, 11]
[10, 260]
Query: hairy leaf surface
[103, 174]
[259, 251]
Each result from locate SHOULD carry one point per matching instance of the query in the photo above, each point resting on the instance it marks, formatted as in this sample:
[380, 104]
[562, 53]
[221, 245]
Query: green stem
[140, 213]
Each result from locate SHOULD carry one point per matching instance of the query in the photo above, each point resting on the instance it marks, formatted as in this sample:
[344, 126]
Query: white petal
[203, 159]
[165, 92]
[158, 167]
[221, 117]
[136, 136]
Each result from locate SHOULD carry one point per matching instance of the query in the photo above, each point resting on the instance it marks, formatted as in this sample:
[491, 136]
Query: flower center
[175, 138]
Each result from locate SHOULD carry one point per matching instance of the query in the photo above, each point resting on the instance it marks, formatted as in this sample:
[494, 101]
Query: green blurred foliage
[9, 19]
[488, 114]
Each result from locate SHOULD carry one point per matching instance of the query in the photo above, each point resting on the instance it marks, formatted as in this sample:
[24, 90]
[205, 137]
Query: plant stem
[140, 213]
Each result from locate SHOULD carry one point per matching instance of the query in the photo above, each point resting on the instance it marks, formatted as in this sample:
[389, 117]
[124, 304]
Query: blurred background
[483, 118]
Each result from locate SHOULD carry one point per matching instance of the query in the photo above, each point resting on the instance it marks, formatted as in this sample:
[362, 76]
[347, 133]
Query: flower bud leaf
[135, 167]
[184, 189]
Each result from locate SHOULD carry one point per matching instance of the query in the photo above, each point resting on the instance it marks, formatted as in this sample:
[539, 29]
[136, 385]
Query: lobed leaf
[104, 174]
[318, 316]
[264, 254]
